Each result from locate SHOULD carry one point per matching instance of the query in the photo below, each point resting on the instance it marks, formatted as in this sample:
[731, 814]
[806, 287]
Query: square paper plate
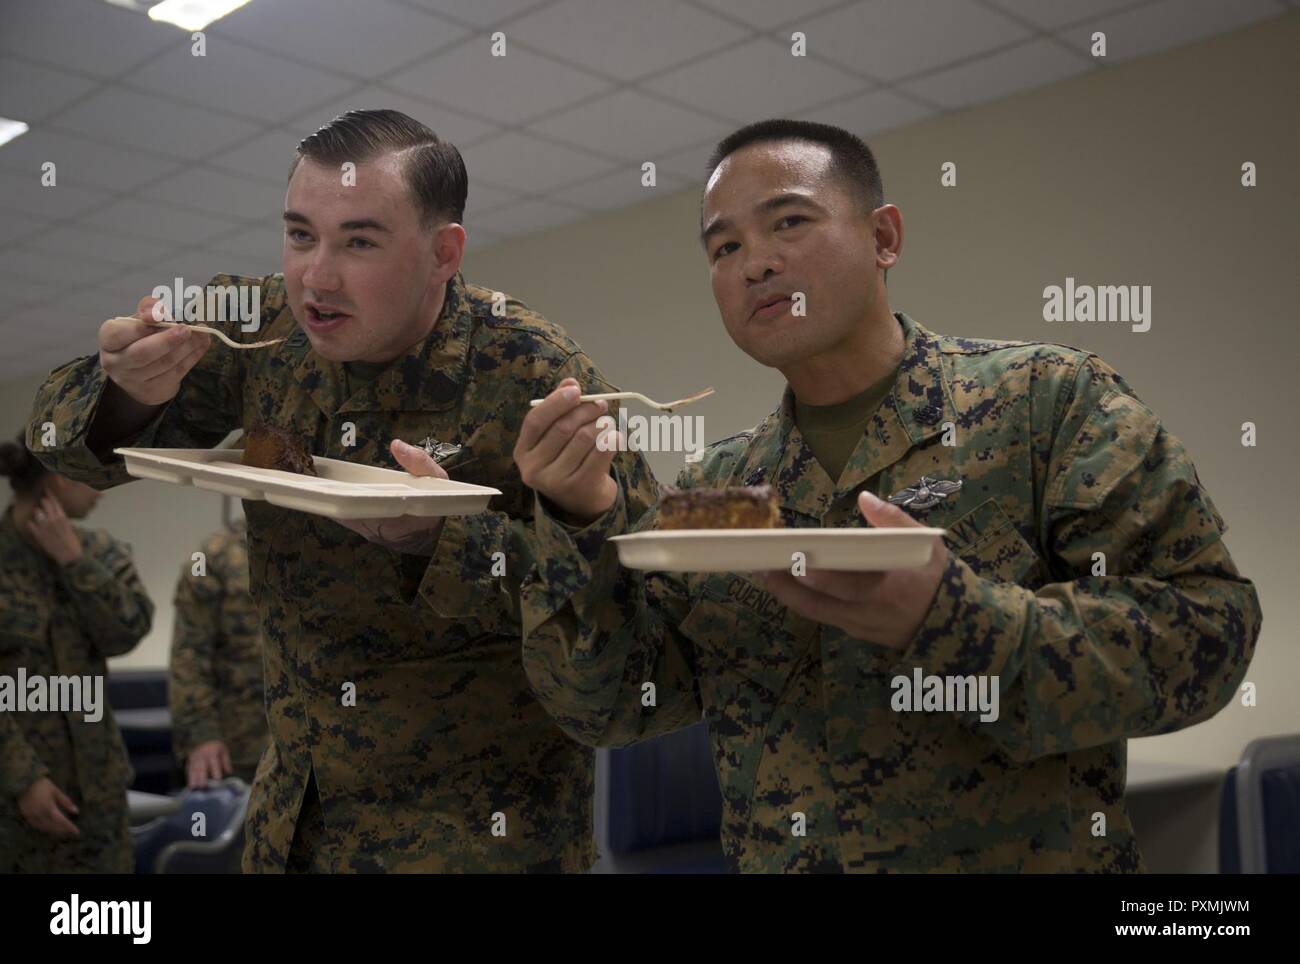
[754, 550]
[344, 490]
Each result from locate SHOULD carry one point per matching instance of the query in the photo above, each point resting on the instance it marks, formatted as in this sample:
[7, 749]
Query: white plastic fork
[662, 406]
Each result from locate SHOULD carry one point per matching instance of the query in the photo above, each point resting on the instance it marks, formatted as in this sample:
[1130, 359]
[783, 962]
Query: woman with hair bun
[69, 599]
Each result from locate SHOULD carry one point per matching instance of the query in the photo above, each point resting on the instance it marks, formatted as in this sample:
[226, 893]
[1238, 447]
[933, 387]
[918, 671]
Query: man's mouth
[323, 317]
[772, 306]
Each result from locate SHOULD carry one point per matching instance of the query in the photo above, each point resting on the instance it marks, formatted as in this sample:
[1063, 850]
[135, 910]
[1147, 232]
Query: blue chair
[1259, 817]
[166, 845]
[658, 807]
[139, 701]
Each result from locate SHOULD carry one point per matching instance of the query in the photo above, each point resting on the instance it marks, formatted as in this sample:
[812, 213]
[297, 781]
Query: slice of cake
[738, 507]
[268, 446]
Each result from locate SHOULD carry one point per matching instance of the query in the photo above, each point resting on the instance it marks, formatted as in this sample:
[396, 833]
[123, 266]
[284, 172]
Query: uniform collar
[915, 410]
[430, 376]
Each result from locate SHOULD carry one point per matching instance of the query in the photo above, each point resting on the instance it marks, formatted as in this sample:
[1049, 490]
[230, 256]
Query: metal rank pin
[438, 450]
[924, 494]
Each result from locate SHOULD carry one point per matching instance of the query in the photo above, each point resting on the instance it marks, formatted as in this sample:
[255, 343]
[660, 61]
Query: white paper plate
[344, 490]
[754, 550]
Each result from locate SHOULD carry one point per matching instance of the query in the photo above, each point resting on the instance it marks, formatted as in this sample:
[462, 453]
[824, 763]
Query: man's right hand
[43, 805]
[147, 362]
[207, 761]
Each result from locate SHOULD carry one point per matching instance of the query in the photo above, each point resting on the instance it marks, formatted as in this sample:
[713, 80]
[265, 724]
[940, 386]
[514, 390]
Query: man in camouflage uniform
[70, 598]
[215, 681]
[1082, 569]
[404, 735]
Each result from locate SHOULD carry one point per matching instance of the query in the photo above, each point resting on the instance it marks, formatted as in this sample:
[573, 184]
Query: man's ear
[449, 249]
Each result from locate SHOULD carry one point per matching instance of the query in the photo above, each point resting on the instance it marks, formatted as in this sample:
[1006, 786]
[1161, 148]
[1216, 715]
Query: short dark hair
[435, 171]
[851, 159]
[21, 467]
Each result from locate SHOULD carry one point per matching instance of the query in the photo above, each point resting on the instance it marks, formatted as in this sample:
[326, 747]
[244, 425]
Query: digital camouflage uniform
[1060, 460]
[66, 621]
[444, 733]
[215, 674]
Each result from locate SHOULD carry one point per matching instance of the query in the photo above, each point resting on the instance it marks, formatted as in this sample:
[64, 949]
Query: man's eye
[724, 249]
[297, 235]
[790, 220]
[362, 243]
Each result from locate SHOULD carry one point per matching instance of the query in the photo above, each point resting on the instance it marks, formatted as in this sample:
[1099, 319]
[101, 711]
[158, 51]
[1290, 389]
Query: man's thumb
[884, 514]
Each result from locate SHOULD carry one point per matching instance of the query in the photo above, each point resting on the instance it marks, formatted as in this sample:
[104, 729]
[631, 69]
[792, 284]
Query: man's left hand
[880, 607]
[408, 534]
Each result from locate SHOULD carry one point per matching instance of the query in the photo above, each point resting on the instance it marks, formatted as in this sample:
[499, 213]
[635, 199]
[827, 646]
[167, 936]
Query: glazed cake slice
[268, 446]
[737, 507]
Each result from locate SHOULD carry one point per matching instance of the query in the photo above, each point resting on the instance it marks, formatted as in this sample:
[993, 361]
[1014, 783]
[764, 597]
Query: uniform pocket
[987, 540]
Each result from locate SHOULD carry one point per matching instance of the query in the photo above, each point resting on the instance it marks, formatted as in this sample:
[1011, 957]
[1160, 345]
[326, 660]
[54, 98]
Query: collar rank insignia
[924, 494]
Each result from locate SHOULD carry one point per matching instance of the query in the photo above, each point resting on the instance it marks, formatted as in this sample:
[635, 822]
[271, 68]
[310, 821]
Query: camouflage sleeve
[1150, 628]
[108, 599]
[20, 766]
[595, 634]
[191, 673]
[460, 581]
[205, 409]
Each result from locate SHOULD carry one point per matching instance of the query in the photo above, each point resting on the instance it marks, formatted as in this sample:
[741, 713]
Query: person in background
[215, 675]
[69, 599]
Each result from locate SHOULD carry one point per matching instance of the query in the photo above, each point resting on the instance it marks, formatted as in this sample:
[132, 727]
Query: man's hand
[50, 528]
[558, 456]
[147, 362]
[408, 534]
[207, 761]
[880, 607]
[43, 805]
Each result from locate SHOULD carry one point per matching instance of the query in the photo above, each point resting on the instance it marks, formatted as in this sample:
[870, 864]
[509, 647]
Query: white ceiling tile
[44, 268]
[518, 162]
[365, 39]
[888, 39]
[448, 124]
[81, 161]
[1169, 23]
[25, 194]
[1023, 67]
[131, 119]
[868, 114]
[83, 311]
[31, 93]
[234, 78]
[219, 193]
[1050, 14]
[16, 292]
[239, 263]
[630, 125]
[93, 37]
[266, 156]
[765, 14]
[757, 79]
[154, 219]
[526, 217]
[689, 162]
[620, 189]
[80, 241]
[14, 225]
[482, 13]
[505, 89]
[624, 40]
[260, 244]
[483, 198]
